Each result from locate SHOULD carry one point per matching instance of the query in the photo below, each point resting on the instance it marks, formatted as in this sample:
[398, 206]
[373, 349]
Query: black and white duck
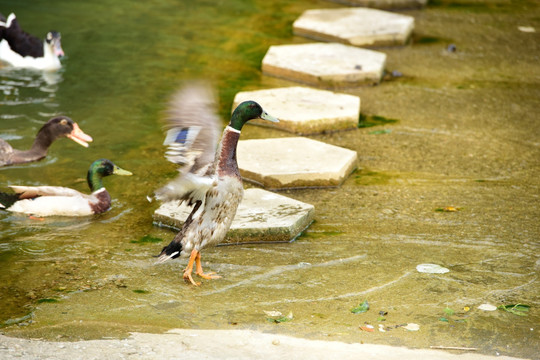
[63, 201]
[20, 49]
[209, 179]
[57, 127]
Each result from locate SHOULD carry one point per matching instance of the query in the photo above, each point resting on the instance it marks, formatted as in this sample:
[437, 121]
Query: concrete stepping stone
[329, 65]
[355, 26]
[304, 110]
[294, 162]
[384, 4]
[262, 216]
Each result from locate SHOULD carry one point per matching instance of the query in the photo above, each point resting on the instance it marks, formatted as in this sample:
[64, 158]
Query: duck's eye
[63, 122]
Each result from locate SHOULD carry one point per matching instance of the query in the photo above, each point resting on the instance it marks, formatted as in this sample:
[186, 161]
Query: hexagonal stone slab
[304, 110]
[262, 216]
[385, 4]
[294, 162]
[355, 26]
[330, 65]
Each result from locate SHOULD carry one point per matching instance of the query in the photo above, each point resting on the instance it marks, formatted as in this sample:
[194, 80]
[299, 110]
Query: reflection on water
[466, 137]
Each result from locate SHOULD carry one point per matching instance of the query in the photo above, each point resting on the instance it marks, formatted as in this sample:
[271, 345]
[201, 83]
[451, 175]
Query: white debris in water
[431, 269]
[412, 327]
[527, 29]
[487, 307]
[272, 313]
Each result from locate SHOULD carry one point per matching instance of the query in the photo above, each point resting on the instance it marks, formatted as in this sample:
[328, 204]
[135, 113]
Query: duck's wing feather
[191, 139]
[193, 127]
[30, 192]
[6, 153]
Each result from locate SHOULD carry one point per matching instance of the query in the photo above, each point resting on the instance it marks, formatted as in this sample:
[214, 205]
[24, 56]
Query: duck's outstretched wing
[30, 192]
[191, 139]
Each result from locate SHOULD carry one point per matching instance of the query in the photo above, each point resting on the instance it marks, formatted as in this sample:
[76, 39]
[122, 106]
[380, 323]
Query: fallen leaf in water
[516, 309]
[281, 319]
[368, 328]
[448, 209]
[362, 308]
[431, 269]
[449, 311]
[487, 307]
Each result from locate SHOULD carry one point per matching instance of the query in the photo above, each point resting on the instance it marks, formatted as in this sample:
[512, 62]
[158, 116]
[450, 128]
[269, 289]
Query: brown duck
[209, 178]
[57, 127]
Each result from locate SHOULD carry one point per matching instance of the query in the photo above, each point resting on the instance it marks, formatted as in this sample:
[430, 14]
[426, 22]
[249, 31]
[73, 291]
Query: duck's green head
[248, 110]
[101, 168]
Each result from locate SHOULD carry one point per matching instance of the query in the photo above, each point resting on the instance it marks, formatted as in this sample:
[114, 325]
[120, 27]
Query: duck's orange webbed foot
[199, 270]
[189, 268]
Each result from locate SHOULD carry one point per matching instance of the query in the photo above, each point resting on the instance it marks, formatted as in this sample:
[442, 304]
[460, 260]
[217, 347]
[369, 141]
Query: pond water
[467, 135]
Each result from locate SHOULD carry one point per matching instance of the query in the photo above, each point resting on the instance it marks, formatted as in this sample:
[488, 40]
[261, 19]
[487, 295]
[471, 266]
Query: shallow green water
[467, 136]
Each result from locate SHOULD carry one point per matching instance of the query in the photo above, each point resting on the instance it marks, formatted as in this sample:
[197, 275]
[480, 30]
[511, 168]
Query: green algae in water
[372, 178]
[427, 40]
[47, 300]
[139, 291]
[374, 120]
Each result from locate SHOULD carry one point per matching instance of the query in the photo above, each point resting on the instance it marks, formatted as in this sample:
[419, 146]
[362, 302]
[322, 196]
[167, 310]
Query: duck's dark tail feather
[171, 251]
[6, 200]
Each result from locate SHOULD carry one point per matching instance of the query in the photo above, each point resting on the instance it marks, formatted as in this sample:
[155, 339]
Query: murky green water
[467, 136]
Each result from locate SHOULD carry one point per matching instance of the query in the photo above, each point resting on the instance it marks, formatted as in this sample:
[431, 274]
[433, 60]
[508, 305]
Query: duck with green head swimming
[58, 200]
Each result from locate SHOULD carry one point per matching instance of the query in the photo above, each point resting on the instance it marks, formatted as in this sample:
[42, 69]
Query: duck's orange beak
[79, 136]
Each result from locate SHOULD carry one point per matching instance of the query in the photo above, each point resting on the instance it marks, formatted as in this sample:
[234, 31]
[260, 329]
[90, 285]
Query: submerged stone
[329, 65]
[294, 162]
[384, 4]
[262, 216]
[304, 110]
[355, 26]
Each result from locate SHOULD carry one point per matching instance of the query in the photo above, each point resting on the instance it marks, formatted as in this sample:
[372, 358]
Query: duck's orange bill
[79, 136]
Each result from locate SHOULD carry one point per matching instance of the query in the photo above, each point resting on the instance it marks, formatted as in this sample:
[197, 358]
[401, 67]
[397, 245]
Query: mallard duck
[21, 49]
[57, 127]
[209, 180]
[58, 200]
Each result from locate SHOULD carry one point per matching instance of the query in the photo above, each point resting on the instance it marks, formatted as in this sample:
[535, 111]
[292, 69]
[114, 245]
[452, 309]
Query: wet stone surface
[304, 110]
[261, 216]
[294, 162]
[355, 26]
[328, 65]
